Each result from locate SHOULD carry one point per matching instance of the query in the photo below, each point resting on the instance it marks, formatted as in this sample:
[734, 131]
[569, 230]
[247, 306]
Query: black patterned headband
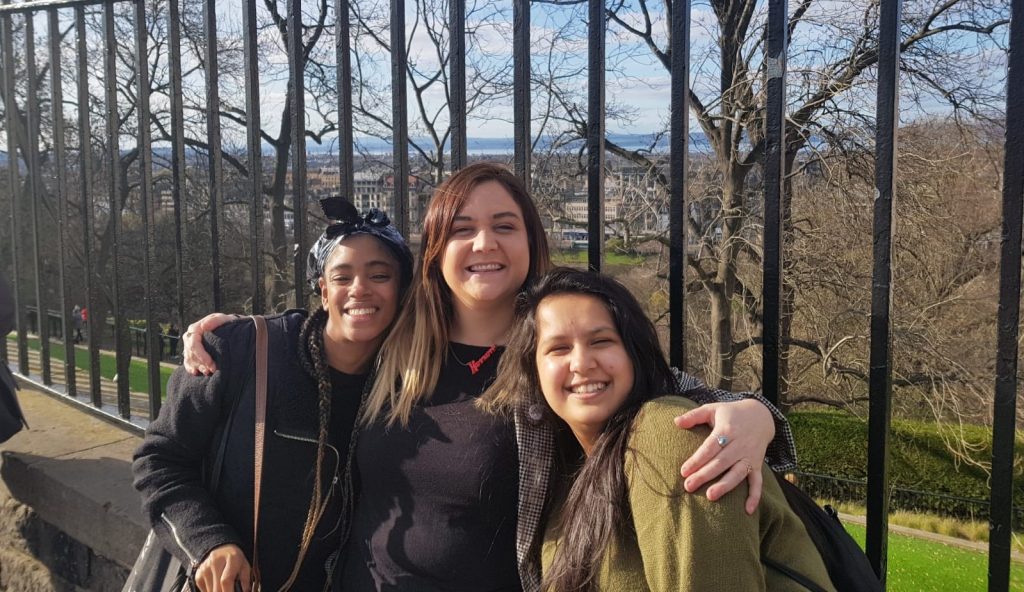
[345, 222]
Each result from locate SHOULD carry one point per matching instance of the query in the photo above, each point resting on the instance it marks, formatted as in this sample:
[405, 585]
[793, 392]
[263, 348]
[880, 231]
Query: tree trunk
[722, 361]
[722, 357]
[280, 254]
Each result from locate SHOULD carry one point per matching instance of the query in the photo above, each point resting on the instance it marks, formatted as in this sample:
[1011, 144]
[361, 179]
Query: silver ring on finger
[722, 440]
[750, 467]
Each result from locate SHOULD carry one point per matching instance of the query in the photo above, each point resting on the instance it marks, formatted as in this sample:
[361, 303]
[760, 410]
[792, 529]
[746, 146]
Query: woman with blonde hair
[451, 495]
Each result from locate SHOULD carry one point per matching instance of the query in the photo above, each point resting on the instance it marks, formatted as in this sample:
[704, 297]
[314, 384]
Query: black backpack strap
[792, 574]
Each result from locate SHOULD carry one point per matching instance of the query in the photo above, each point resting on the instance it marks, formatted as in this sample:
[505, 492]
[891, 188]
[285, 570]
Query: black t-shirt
[346, 391]
[438, 500]
[286, 520]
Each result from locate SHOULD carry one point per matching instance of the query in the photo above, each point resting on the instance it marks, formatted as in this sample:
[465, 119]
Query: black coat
[172, 464]
[11, 417]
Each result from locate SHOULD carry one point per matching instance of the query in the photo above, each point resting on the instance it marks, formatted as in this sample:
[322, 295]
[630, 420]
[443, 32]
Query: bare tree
[488, 72]
[833, 53]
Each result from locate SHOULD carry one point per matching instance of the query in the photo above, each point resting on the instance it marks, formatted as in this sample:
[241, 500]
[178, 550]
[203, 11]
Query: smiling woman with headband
[360, 267]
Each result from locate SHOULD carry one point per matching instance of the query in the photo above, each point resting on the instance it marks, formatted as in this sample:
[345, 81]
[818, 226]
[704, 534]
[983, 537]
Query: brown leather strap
[261, 421]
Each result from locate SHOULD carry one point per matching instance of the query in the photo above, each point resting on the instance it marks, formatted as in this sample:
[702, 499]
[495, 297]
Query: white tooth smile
[360, 312]
[588, 388]
[485, 267]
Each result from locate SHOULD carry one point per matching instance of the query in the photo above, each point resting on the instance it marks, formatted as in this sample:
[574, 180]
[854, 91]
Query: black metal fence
[67, 18]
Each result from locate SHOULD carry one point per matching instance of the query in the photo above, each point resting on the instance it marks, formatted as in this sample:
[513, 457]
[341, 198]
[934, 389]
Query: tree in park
[948, 53]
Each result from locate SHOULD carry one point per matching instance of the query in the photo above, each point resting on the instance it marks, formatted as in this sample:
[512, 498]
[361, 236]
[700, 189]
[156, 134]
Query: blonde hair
[412, 355]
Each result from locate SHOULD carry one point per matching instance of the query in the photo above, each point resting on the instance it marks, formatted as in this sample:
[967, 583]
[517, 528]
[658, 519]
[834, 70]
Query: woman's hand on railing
[224, 566]
[193, 354]
[735, 450]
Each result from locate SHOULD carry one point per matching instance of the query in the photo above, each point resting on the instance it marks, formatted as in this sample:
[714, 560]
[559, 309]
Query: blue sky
[637, 84]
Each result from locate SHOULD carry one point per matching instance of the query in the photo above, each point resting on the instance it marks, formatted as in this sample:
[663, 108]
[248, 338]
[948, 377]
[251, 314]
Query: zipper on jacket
[329, 567]
[305, 439]
[334, 480]
[177, 539]
[337, 456]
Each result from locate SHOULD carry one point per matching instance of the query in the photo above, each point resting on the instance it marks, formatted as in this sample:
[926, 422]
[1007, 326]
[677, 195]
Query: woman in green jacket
[619, 520]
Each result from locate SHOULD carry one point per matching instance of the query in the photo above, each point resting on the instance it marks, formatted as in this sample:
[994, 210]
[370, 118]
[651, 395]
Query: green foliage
[835, 444]
[918, 565]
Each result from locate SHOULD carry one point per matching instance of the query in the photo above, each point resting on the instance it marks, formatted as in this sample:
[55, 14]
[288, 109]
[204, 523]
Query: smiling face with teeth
[487, 256]
[583, 368]
[359, 291]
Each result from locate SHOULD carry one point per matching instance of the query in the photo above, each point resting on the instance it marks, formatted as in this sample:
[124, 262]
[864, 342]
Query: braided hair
[345, 222]
[313, 357]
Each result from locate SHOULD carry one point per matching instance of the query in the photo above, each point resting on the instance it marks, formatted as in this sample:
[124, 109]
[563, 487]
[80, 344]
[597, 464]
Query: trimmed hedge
[924, 474]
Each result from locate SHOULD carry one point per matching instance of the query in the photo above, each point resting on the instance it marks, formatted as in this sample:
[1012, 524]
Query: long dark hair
[595, 506]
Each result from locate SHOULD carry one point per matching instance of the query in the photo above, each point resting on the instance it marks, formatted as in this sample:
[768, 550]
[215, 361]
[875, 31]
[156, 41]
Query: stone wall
[69, 518]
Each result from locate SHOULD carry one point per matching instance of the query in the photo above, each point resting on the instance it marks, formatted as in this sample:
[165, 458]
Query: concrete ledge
[72, 471]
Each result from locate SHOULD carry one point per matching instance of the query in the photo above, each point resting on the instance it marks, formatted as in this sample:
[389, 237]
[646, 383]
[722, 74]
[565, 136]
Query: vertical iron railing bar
[177, 154]
[774, 187]
[457, 74]
[254, 145]
[85, 179]
[1004, 408]
[14, 190]
[61, 189]
[343, 51]
[35, 193]
[595, 134]
[146, 199]
[880, 377]
[296, 66]
[521, 89]
[121, 338]
[399, 118]
[216, 172]
[679, 170]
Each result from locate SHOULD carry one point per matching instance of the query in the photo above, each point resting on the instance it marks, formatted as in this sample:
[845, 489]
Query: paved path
[1016, 556]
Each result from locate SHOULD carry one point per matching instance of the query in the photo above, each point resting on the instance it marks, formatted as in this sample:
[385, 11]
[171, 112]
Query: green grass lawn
[138, 378]
[578, 257]
[918, 565]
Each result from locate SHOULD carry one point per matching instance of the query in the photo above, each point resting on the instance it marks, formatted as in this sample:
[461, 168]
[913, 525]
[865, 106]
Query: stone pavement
[69, 516]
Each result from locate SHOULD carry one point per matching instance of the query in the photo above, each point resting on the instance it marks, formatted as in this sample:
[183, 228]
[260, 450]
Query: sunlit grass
[919, 565]
[578, 257]
[138, 377]
[968, 530]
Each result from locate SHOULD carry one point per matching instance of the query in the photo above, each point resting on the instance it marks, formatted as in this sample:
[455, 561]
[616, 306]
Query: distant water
[698, 143]
[481, 146]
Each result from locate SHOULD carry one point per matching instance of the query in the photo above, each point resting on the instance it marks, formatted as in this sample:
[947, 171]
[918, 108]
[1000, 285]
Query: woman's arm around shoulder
[686, 541]
[781, 452]
[168, 464]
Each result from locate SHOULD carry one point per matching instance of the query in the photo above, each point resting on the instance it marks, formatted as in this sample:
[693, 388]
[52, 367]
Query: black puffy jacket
[172, 465]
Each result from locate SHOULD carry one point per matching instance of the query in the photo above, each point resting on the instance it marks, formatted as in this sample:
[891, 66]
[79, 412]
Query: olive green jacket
[685, 542]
